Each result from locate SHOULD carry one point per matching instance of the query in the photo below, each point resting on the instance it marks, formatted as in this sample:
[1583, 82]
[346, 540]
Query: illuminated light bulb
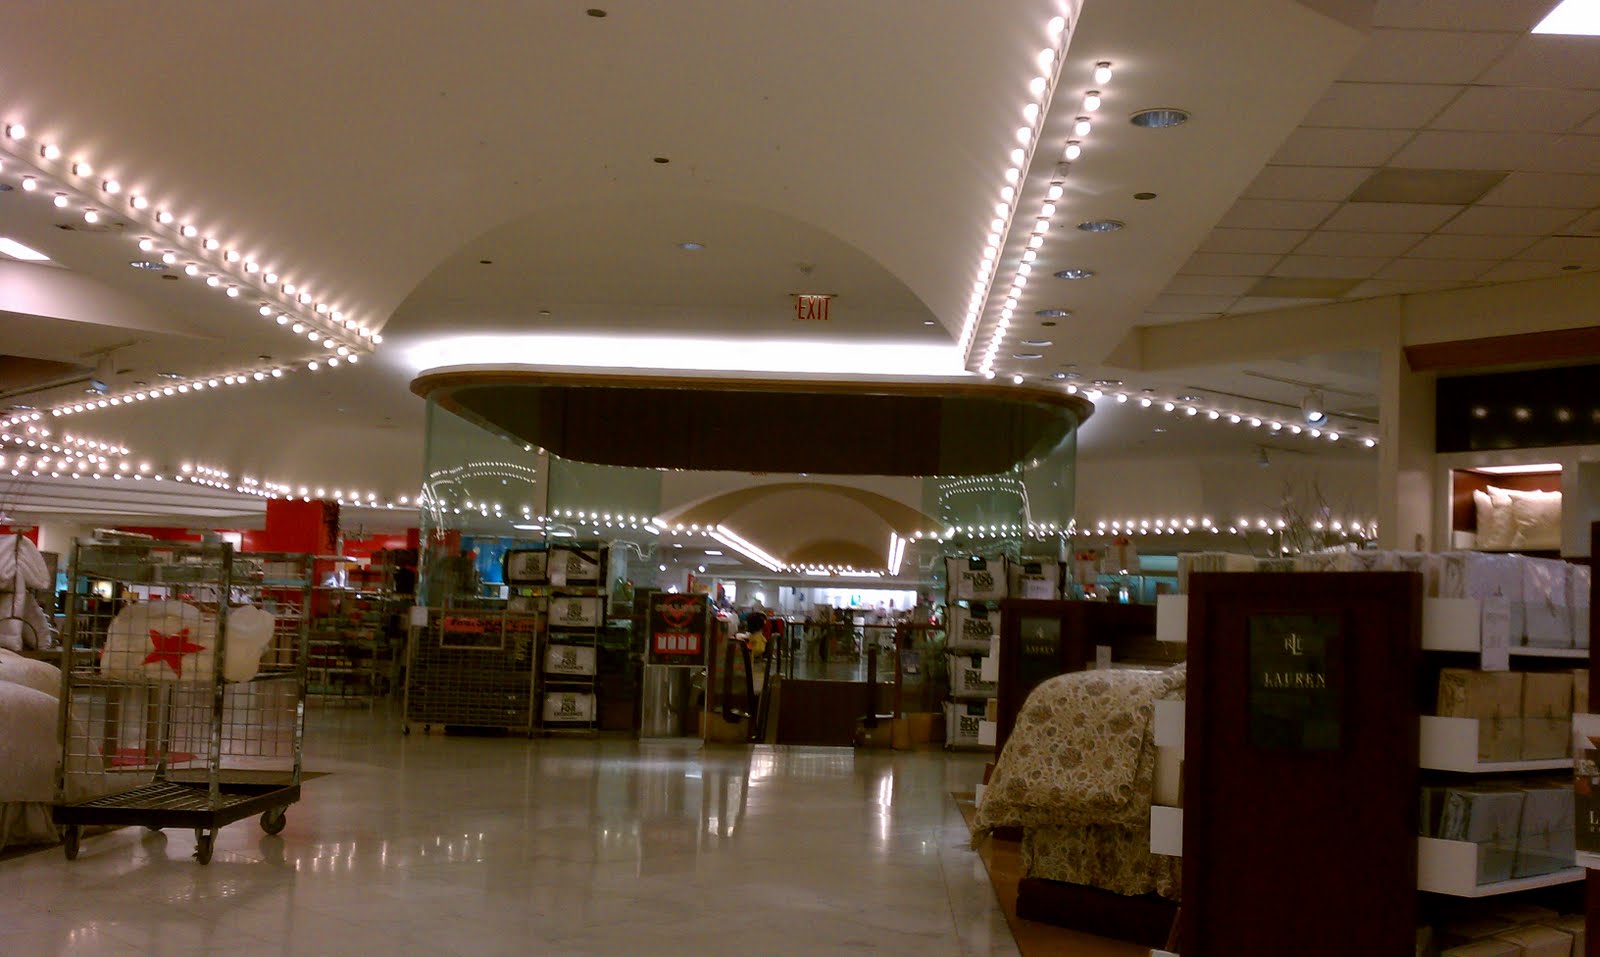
[1012, 174]
[213, 280]
[189, 231]
[1144, 403]
[1255, 423]
[270, 278]
[1024, 135]
[29, 184]
[314, 336]
[231, 256]
[60, 200]
[111, 186]
[1091, 101]
[1122, 397]
[81, 168]
[91, 216]
[50, 151]
[1041, 225]
[988, 252]
[1081, 126]
[213, 383]
[376, 338]
[328, 343]
[210, 243]
[265, 310]
[259, 376]
[147, 245]
[16, 131]
[1035, 241]
[1029, 256]
[283, 320]
[1031, 112]
[305, 297]
[1167, 406]
[313, 365]
[139, 202]
[993, 239]
[322, 308]
[297, 328]
[288, 289]
[1275, 426]
[1073, 150]
[163, 217]
[1102, 72]
[1056, 25]
[1024, 270]
[233, 292]
[344, 350]
[1295, 429]
[192, 269]
[1333, 436]
[1037, 85]
[1046, 57]
[251, 266]
[1047, 210]
[169, 257]
[996, 224]
[277, 373]
[1001, 209]
[1369, 443]
[333, 362]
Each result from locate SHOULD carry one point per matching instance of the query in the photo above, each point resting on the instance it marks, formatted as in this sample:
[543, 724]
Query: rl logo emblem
[1293, 645]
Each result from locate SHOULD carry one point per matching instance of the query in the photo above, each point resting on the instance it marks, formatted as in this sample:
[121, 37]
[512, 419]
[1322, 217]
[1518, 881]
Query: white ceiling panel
[1329, 267]
[1569, 154]
[1275, 214]
[1332, 146]
[1509, 220]
[1252, 240]
[1518, 270]
[1307, 182]
[1396, 287]
[1426, 56]
[1516, 16]
[1392, 106]
[1565, 249]
[1266, 304]
[1191, 304]
[1449, 246]
[1209, 285]
[1228, 264]
[1551, 62]
[1459, 150]
[1518, 109]
[1172, 318]
[1329, 242]
[1391, 217]
[1455, 270]
[1560, 190]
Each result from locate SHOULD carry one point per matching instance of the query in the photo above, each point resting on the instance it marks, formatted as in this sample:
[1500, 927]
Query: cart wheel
[405, 729]
[427, 729]
[203, 844]
[69, 840]
[274, 820]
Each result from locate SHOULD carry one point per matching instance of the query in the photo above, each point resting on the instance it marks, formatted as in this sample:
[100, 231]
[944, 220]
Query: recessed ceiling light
[928, 322]
[691, 247]
[545, 312]
[1037, 342]
[14, 249]
[168, 375]
[1048, 323]
[662, 160]
[1053, 314]
[1109, 383]
[1158, 429]
[1574, 18]
[1075, 274]
[596, 12]
[1144, 196]
[1026, 355]
[147, 264]
[1058, 375]
[486, 262]
[1186, 398]
[1101, 225]
[713, 551]
[1159, 119]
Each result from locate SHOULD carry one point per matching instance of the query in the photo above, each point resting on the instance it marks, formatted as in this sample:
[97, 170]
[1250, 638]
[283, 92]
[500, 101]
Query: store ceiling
[830, 147]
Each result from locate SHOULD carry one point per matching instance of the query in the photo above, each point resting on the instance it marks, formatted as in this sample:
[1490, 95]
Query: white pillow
[1495, 524]
[38, 675]
[174, 641]
[1536, 517]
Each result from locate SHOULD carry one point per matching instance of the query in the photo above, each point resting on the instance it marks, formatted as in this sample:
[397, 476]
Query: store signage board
[1586, 788]
[678, 627]
[812, 308]
[1294, 695]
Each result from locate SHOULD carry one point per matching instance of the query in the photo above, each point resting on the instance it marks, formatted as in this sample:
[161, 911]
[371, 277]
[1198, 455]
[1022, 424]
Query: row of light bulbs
[263, 374]
[105, 192]
[1041, 89]
[1241, 526]
[36, 438]
[1232, 418]
[1047, 211]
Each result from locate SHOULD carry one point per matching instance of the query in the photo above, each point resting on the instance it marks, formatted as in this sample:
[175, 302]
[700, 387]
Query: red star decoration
[171, 649]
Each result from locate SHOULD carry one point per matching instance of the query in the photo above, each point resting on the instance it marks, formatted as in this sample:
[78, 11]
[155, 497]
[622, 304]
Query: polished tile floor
[470, 846]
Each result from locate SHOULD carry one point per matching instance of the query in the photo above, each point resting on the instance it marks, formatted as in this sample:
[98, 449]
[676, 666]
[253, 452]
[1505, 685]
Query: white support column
[1405, 453]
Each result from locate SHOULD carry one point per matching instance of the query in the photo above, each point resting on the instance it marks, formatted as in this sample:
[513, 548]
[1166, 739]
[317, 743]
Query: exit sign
[811, 308]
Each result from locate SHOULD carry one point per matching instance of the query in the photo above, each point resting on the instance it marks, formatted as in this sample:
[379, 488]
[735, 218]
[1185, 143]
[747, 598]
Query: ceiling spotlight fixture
[1102, 72]
[1053, 314]
[1075, 274]
[1091, 101]
[1073, 151]
[1037, 343]
[1081, 126]
[1313, 408]
[691, 246]
[1101, 225]
[1016, 380]
[1026, 355]
[1159, 119]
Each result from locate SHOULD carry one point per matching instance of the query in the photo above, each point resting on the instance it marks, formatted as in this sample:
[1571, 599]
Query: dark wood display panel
[1078, 626]
[1592, 880]
[1301, 779]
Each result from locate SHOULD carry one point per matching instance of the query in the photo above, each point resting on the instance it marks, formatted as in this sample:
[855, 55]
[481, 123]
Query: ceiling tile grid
[1486, 138]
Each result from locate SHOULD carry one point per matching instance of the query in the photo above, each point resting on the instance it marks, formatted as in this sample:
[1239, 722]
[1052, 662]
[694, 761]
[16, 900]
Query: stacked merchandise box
[975, 587]
[575, 618]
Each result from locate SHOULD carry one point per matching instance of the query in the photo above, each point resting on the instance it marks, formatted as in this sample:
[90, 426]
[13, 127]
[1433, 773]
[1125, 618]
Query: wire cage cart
[183, 698]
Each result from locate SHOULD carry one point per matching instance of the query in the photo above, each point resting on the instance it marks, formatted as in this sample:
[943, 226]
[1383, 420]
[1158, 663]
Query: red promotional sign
[678, 625]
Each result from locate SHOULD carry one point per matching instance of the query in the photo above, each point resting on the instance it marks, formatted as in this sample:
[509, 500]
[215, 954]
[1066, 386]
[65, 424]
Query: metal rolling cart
[473, 668]
[153, 732]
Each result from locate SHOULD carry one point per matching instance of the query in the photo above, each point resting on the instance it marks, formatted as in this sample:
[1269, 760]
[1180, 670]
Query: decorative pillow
[174, 641]
[1536, 518]
[38, 675]
[1495, 524]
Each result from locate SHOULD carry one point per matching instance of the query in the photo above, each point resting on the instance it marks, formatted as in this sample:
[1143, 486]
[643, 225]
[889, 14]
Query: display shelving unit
[570, 666]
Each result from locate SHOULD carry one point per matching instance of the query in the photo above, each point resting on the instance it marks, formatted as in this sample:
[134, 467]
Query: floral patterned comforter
[1077, 774]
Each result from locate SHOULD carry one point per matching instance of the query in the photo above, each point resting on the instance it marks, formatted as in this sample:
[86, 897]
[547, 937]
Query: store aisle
[464, 846]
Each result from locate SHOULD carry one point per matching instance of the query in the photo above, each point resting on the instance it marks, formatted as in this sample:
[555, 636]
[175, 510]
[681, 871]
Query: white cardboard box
[976, 579]
[564, 706]
[966, 678]
[576, 660]
[579, 613]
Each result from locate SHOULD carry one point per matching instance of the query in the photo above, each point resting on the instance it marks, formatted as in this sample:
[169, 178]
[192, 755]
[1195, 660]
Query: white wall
[1221, 487]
